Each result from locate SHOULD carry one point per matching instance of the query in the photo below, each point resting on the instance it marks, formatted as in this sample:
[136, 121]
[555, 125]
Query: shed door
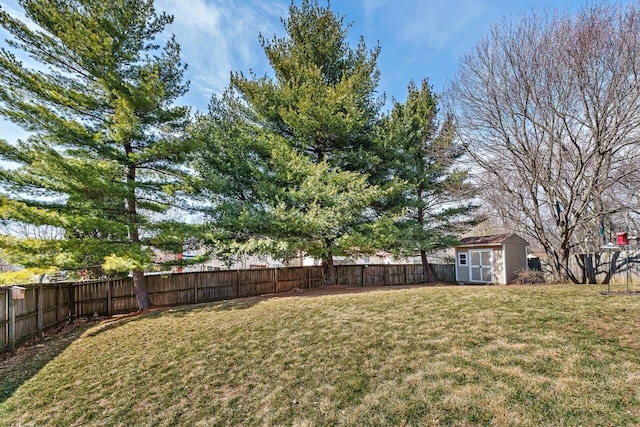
[481, 266]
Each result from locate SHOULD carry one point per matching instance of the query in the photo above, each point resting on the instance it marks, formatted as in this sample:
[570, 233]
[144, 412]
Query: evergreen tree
[104, 155]
[297, 142]
[266, 197]
[322, 98]
[430, 197]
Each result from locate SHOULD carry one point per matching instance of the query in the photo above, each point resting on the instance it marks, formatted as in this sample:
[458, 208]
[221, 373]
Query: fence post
[237, 283]
[39, 304]
[72, 304]
[195, 288]
[309, 277]
[336, 271]
[275, 280]
[406, 281]
[109, 297]
[57, 302]
[362, 281]
[385, 272]
[12, 321]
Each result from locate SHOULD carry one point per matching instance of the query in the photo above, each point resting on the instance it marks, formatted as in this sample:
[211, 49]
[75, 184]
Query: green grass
[551, 355]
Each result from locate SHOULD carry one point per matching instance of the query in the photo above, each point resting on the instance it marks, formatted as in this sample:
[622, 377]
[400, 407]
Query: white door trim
[482, 266]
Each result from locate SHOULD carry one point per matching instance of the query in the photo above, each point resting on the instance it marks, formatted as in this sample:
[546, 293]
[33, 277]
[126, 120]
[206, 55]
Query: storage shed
[490, 259]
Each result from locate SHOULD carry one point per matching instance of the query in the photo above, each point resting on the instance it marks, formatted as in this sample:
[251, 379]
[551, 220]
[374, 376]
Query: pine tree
[430, 196]
[266, 197]
[104, 155]
[305, 135]
[322, 98]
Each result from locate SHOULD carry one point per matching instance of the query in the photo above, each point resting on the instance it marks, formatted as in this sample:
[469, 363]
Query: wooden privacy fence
[391, 274]
[118, 296]
[51, 304]
[621, 267]
[43, 306]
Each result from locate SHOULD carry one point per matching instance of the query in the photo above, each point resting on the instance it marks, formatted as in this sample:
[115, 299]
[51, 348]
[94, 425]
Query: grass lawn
[532, 356]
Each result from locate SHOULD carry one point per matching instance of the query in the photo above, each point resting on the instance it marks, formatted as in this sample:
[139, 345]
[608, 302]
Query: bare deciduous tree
[550, 111]
[24, 230]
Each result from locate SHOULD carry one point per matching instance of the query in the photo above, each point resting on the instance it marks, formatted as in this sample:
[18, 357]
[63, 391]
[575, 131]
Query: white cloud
[218, 37]
[371, 6]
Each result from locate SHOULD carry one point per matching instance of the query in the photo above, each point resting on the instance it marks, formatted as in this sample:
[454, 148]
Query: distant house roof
[492, 240]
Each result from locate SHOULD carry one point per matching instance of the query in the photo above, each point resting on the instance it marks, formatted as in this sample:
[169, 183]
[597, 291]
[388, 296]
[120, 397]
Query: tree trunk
[427, 271]
[139, 282]
[590, 269]
[559, 264]
[144, 302]
[329, 270]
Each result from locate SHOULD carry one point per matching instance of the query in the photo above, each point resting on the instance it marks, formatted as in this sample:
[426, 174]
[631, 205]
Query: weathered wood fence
[51, 304]
[118, 296]
[391, 274]
[43, 306]
[621, 268]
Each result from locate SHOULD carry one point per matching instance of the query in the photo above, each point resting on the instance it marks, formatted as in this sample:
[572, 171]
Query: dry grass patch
[424, 356]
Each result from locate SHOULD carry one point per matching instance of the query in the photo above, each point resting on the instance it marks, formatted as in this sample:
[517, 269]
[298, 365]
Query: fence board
[217, 293]
[349, 275]
[374, 275]
[391, 274]
[123, 296]
[256, 282]
[62, 301]
[4, 319]
[316, 277]
[49, 305]
[395, 275]
[26, 315]
[414, 274]
[219, 285]
[623, 274]
[89, 298]
[291, 278]
[445, 273]
[171, 289]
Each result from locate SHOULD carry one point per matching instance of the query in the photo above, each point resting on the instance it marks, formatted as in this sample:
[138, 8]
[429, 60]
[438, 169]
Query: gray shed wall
[515, 260]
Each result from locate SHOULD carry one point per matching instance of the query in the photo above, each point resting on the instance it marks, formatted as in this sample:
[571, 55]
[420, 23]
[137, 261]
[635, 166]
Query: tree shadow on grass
[236, 304]
[17, 368]
[28, 360]
[174, 311]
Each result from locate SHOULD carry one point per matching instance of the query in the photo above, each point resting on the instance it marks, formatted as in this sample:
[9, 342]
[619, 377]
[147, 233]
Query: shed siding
[516, 259]
[498, 266]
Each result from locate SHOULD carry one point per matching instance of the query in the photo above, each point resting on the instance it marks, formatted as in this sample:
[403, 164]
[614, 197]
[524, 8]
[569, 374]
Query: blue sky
[418, 39]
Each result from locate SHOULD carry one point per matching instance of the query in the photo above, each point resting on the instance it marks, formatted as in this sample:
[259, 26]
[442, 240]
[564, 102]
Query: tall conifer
[94, 84]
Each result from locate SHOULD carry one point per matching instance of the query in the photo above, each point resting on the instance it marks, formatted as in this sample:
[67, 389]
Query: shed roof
[492, 240]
